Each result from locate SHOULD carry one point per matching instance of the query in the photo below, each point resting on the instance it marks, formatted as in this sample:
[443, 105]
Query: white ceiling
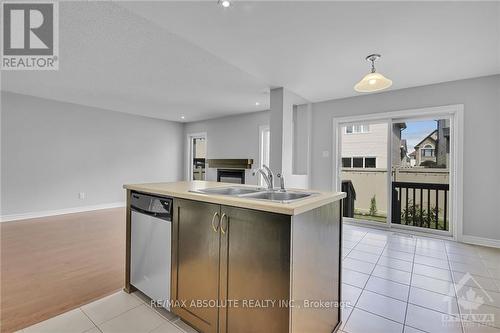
[168, 59]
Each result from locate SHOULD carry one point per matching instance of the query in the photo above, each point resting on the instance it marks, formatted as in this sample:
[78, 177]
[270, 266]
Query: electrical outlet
[81, 195]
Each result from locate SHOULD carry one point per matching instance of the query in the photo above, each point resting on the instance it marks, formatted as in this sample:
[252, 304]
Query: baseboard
[481, 241]
[33, 215]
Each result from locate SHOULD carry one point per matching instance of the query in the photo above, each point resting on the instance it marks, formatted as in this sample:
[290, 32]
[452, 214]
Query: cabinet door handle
[222, 223]
[216, 228]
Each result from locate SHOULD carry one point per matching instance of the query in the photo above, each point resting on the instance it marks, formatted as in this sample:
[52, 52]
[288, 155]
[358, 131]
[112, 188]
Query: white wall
[230, 137]
[51, 151]
[481, 99]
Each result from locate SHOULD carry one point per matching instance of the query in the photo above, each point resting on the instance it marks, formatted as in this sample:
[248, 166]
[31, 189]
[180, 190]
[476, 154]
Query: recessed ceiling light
[257, 103]
[224, 3]
[373, 81]
[182, 117]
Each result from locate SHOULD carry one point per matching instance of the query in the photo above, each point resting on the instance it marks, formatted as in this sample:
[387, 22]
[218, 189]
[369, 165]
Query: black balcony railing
[420, 204]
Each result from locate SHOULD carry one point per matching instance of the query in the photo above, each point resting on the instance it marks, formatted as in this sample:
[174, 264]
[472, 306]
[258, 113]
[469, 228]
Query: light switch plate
[326, 153]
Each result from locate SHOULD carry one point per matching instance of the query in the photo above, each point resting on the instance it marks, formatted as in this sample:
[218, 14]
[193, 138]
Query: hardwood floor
[53, 264]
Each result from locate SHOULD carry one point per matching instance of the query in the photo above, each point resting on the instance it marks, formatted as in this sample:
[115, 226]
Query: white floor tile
[354, 278]
[397, 255]
[138, 320]
[435, 285]
[369, 248]
[431, 253]
[74, 321]
[358, 265]
[362, 322]
[363, 256]
[408, 248]
[167, 328]
[93, 330]
[492, 263]
[111, 306]
[429, 243]
[433, 262]
[348, 244]
[433, 301]
[485, 283]
[433, 272]
[350, 294]
[388, 288]
[465, 251]
[402, 265]
[453, 257]
[384, 306]
[483, 314]
[487, 296]
[392, 274]
[409, 329]
[477, 269]
[345, 313]
[373, 242]
[430, 321]
[345, 252]
[473, 327]
[494, 272]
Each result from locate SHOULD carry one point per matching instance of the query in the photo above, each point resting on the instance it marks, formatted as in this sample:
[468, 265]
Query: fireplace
[231, 170]
[236, 176]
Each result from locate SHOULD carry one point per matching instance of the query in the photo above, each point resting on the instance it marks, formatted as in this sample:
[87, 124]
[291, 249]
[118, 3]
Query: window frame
[351, 164]
[361, 129]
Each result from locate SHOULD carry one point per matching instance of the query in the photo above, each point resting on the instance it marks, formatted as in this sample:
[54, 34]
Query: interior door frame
[456, 113]
[189, 157]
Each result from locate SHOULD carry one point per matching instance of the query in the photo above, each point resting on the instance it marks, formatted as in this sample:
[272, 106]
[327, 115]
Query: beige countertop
[182, 190]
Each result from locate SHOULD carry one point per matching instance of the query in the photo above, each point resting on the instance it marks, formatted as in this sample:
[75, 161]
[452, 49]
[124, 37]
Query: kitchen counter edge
[182, 190]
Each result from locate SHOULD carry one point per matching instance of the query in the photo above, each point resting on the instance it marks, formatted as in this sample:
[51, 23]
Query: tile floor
[392, 282]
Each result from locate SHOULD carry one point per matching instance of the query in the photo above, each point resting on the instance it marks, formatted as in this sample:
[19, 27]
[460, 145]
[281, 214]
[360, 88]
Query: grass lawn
[375, 218]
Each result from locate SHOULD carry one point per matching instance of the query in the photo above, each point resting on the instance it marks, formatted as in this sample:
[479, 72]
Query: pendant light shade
[373, 81]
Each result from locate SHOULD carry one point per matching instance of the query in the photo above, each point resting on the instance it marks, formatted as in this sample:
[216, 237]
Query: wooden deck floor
[53, 264]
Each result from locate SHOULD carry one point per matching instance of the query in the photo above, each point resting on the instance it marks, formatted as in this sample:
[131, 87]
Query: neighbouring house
[443, 142]
[365, 146]
[425, 150]
[435, 147]
[413, 158]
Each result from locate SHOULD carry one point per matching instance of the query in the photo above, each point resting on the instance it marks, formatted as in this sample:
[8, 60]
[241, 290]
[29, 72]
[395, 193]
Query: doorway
[197, 154]
[401, 169]
[264, 149]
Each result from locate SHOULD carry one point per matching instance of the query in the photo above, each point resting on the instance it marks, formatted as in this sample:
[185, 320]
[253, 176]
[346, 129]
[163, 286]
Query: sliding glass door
[421, 175]
[396, 172]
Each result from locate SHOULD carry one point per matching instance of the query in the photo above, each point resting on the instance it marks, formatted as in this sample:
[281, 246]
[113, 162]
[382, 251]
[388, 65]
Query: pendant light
[373, 81]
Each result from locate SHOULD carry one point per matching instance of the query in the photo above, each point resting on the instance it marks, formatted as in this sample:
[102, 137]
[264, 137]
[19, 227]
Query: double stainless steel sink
[258, 193]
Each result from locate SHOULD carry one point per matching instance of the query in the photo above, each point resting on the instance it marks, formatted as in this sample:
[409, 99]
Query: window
[370, 162]
[428, 151]
[357, 129]
[359, 162]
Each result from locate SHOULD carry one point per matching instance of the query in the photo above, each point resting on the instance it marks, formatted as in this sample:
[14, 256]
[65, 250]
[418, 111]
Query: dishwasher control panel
[156, 206]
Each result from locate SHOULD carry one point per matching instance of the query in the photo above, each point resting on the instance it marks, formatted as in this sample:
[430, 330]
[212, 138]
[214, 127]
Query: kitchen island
[240, 264]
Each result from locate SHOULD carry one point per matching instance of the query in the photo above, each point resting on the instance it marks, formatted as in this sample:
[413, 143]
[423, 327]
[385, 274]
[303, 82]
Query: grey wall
[231, 137]
[481, 99]
[51, 151]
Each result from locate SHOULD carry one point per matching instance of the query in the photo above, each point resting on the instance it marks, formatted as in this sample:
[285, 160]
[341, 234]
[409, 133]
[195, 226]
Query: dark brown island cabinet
[237, 269]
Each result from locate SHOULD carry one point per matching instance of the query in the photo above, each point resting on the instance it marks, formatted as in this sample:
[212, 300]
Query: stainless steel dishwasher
[150, 248]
